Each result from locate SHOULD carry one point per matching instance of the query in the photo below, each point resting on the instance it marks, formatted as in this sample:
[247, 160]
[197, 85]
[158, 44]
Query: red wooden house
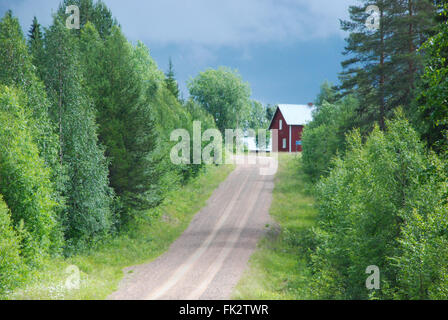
[289, 120]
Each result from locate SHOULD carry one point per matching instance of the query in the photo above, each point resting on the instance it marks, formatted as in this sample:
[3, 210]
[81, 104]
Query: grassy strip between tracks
[101, 268]
[278, 269]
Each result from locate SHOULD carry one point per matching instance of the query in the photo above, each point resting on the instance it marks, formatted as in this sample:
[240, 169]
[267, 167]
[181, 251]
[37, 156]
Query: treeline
[377, 151]
[85, 123]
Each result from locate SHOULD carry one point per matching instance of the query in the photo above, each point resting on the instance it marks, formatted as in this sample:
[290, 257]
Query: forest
[376, 152]
[85, 123]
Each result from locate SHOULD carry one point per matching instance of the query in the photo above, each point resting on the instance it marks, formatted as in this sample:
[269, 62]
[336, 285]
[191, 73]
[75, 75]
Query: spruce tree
[36, 46]
[170, 80]
[87, 192]
[126, 126]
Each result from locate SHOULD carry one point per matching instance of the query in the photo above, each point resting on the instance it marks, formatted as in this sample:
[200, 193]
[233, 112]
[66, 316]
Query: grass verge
[101, 269]
[278, 268]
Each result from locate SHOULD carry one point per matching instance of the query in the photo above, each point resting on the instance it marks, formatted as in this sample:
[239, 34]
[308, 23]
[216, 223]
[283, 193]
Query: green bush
[383, 204]
[10, 260]
[25, 180]
[324, 137]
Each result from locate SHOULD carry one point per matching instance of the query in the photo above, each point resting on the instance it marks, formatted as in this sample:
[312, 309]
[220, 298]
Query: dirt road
[208, 259]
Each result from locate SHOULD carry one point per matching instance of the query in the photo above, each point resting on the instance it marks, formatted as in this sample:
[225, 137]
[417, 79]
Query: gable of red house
[289, 120]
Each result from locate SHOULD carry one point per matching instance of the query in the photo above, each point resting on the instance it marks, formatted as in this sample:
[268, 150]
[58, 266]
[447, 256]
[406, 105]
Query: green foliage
[324, 137]
[383, 204]
[126, 125]
[96, 13]
[25, 181]
[88, 197]
[279, 267]
[169, 114]
[13, 50]
[15, 62]
[171, 82]
[102, 266]
[11, 263]
[147, 68]
[270, 111]
[383, 64]
[432, 119]
[258, 119]
[327, 93]
[36, 46]
[223, 93]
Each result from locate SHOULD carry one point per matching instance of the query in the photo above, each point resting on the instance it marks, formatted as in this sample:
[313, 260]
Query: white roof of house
[296, 114]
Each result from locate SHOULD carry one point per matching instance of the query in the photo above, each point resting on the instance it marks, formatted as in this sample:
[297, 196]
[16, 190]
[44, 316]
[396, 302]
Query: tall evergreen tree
[383, 63]
[413, 23]
[366, 70]
[126, 126]
[170, 80]
[36, 46]
[87, 192]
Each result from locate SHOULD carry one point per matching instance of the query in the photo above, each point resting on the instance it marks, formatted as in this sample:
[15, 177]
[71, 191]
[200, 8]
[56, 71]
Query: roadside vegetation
[376, 155]
[101, 267]
[279, 267]
[86, 177]
[376, 151]
[86, 119]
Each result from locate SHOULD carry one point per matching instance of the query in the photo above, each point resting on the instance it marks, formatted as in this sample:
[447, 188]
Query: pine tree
[367, 69]
[413, 23]
[384, 63]
[88, 196]
[126, 126]
[170, 80]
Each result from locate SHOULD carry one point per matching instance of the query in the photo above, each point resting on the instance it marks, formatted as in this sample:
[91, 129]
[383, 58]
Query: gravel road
[208, 259]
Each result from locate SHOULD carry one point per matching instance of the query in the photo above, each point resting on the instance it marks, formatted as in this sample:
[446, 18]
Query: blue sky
[284, 48]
